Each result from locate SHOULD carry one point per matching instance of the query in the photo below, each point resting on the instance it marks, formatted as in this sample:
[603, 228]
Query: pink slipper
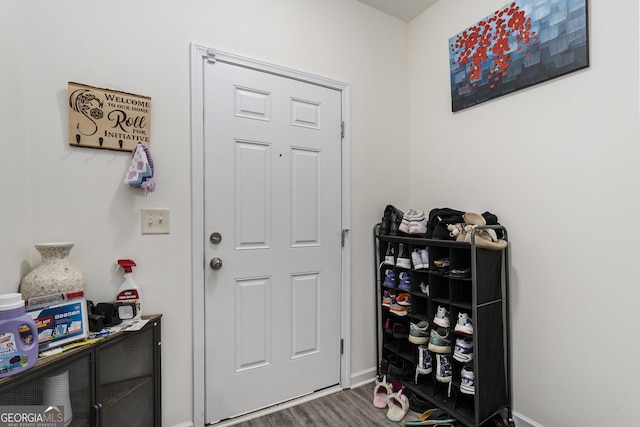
[398, 406]
[380, 393]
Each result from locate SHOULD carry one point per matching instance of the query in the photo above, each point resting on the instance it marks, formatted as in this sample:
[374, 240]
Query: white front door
[272, 166]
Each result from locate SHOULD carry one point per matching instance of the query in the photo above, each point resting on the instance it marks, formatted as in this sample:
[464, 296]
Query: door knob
[216, 263]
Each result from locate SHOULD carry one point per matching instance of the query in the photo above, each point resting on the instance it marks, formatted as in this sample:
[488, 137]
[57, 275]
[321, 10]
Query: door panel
[273, 191]
[253, 194]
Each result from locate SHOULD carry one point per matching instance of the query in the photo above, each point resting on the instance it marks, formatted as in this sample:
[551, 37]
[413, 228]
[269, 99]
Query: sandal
[432, 417]
[380, 393]
[398, 406]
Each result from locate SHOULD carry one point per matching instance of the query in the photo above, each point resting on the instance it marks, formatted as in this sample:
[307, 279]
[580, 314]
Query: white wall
[558, 163]
[15, 173]
[76, 194]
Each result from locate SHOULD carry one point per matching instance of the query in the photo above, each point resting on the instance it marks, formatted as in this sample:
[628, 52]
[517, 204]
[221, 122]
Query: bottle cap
[11, 301]
[126, 264]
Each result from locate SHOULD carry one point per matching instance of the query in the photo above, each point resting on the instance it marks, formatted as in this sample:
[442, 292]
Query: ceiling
[406, 10]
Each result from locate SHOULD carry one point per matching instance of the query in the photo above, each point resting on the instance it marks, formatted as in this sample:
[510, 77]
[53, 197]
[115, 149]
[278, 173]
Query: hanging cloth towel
[140, 173]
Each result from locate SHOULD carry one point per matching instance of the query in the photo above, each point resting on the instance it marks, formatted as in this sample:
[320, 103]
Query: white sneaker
[439, 341]
[463, 350]
[424, 366]
[403, 258]
[416, 257]
[389, 259]
[419, 332]
[467, 383]
[442, 317]
[418, 223]
[424, 287]
[464, 325]
[424, 254]
[444, 372]
[404, 225]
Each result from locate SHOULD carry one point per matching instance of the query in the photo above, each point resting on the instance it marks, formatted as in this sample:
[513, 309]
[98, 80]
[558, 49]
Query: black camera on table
[105, 314]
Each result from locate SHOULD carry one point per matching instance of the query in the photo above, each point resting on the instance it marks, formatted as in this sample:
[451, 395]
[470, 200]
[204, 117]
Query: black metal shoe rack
[484, 296]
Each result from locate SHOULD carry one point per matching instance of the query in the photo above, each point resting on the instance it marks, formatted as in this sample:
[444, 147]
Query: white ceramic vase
[55, 274]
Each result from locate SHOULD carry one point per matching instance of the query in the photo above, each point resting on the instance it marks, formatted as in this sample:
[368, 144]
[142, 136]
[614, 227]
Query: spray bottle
[129, 291]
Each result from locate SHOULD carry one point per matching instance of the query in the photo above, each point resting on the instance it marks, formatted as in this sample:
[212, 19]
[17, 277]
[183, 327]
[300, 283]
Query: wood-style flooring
[353, 408]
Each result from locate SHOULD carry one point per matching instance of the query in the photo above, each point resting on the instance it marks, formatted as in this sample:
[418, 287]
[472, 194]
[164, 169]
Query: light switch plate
[155, 220]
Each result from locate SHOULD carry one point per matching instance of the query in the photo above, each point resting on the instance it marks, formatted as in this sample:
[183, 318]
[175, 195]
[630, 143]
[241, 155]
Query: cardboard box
[61, 321]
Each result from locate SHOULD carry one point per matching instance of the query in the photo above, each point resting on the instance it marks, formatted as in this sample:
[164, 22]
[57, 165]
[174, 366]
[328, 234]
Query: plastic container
[129, 291]
[18, 336]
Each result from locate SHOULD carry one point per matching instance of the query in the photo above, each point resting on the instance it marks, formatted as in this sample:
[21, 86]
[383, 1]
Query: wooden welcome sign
[103, 118]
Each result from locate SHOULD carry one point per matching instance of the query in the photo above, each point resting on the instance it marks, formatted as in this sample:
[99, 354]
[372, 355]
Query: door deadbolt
[216, 263]
[215, 238]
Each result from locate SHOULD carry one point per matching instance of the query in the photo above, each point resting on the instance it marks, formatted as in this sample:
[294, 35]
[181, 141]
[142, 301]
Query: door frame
[199, 56]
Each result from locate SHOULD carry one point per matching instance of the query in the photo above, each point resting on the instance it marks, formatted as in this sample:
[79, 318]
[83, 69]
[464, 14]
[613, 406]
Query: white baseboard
[522, 421]
[189, 424]
[363, 377]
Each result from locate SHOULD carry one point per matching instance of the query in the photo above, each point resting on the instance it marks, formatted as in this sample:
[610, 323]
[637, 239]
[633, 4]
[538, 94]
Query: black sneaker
[390, 221]
[383, 367]
[398, 370]
[460, 273]
[419, 405]
[385, 224]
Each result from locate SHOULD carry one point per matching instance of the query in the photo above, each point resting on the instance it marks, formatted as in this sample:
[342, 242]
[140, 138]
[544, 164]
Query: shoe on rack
[404, 224]
[389, 279]
[405, 281]
[388, 326]
[439, 341]
[381, 391]
[419, 332]
[387, 297]
[397, 309]
[463, 350]
[418, 404]
[424, 366]
[385, 362]
[424, 254]
[424, 287]
[460, 273]
[403, 260]
[404, 299]
[442, 317]
[418, 224]
[416, 259]
[442, 265]
[467, 384]
[464, 324]
[389, 258]
[443, 369]
[400, 331]
[398, 370]
[385, 223]
[390, 220]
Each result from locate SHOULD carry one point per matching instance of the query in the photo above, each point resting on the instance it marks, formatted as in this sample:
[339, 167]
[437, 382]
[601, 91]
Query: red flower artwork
[484, 47]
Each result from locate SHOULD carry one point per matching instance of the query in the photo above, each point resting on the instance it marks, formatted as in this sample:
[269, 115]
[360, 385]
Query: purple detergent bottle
[18, 336]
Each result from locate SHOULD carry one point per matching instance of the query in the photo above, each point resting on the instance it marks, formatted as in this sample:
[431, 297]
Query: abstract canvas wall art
[522, 44]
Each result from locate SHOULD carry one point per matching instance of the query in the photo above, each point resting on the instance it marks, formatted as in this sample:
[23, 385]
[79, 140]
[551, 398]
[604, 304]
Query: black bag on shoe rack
[440, 218]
